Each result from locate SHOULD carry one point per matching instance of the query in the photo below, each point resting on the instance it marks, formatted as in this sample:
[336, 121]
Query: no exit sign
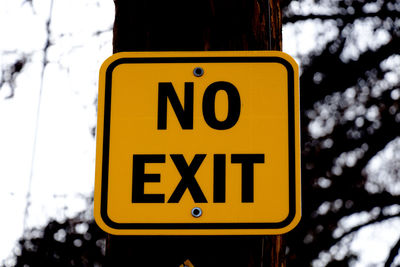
[198, 143]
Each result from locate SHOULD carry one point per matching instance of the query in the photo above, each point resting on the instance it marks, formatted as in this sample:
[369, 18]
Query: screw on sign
[198, 72]
[198, 143]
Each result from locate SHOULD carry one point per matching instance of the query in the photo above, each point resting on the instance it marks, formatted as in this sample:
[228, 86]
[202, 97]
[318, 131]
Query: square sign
[198, 143]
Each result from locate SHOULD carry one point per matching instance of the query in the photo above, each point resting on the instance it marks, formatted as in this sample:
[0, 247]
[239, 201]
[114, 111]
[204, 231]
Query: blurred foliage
[10, 72]
[74, 242]
[350, 91]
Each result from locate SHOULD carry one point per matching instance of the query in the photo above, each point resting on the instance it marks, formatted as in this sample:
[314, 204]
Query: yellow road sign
[198, 143]
[187, 263]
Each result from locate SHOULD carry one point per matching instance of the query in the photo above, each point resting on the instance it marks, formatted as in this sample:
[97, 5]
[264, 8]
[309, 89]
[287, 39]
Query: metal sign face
[198, 143]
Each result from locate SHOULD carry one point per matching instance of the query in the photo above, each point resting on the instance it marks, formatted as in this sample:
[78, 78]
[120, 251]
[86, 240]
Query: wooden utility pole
[182, 25]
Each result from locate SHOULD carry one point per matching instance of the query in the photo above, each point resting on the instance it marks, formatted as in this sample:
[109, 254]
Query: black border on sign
[195, 226]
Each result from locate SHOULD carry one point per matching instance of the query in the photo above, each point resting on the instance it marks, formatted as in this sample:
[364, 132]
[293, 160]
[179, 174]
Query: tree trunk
[187, 25]
[181, 25]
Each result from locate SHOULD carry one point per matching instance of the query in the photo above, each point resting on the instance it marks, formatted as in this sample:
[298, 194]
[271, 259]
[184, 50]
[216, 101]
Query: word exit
[188, 180]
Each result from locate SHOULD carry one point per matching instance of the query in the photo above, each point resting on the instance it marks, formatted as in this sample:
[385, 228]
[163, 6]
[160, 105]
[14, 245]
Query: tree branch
[393, 253]
[378, 219]
[346, 18]
[340, 75]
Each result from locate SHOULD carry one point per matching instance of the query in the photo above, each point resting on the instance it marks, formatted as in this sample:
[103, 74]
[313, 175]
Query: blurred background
[349, 55]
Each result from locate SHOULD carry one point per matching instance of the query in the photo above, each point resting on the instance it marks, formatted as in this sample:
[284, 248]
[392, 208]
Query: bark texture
[181, 25]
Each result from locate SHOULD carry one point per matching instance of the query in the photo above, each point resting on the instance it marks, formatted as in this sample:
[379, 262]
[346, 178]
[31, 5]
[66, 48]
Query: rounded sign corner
[291, 224]
[103, 226]
[102, 223]
[110, 62]
[290, 59]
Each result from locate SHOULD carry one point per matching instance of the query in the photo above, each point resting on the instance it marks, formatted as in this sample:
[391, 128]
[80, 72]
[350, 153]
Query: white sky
[63, 162]
[63, 170]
